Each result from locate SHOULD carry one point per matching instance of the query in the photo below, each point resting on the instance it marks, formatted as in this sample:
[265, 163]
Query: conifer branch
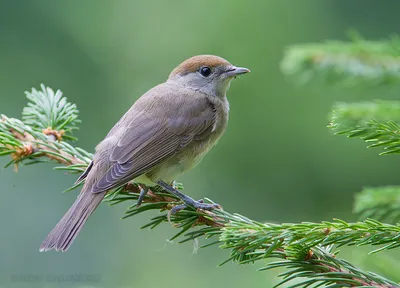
[377, 123]
[29, 145]
[381, 203]
[350, 63]
[306, 250]
[51, 113]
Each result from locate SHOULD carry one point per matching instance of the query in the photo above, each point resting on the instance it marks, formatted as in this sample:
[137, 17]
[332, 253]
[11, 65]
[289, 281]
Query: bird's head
[206, 73]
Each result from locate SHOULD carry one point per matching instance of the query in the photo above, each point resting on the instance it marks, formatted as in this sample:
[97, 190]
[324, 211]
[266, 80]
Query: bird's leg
[143, 191]
[188, 201]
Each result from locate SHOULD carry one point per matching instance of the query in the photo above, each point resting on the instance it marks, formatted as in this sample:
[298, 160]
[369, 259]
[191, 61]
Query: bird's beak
[235, 71]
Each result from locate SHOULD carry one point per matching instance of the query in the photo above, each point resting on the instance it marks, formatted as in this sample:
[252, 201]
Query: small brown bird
[166, 132]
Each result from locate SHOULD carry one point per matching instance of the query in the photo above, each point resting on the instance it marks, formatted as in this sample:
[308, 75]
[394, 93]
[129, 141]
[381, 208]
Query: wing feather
[154, 135]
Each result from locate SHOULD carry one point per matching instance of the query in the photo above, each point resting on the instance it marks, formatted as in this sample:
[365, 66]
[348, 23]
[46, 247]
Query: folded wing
[155, 134]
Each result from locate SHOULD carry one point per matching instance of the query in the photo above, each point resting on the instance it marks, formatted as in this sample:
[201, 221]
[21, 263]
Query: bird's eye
[205, 71]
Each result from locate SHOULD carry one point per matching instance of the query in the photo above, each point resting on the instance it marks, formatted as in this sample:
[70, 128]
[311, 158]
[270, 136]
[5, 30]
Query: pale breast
[192, 154]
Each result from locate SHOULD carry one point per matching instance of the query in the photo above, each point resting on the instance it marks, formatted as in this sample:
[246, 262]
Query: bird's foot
[143, 191]
[197, 205]
[188, 201]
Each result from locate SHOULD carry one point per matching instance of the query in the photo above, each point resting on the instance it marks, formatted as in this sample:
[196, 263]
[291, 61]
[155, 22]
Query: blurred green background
[277, 161]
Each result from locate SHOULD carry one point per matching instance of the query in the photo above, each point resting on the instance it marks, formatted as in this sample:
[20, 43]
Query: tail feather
[62, 236]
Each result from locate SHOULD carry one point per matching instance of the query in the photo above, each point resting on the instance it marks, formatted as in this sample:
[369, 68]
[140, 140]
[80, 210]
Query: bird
[165, 133]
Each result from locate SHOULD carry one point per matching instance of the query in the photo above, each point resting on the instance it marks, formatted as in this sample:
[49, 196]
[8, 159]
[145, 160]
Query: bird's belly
[181, 162]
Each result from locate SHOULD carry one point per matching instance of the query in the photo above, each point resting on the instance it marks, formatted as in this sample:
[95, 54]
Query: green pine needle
[381, 203]
[377, 123]
[46, 109]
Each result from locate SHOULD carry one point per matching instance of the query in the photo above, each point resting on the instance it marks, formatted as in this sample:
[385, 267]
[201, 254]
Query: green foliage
[305, 250]
[49, 110]
[377, 123]
[37, 138]
[348, 116]
[382, 203]
[350, 63]
[324, 269]
[363, 63]
[338, 233]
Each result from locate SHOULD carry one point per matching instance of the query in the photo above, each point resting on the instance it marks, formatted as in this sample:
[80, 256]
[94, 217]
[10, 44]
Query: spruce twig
[351, 63]
[50, 112]
[381, 203]
[377, 123]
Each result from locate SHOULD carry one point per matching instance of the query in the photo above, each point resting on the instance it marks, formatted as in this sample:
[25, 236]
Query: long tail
[62, 236]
